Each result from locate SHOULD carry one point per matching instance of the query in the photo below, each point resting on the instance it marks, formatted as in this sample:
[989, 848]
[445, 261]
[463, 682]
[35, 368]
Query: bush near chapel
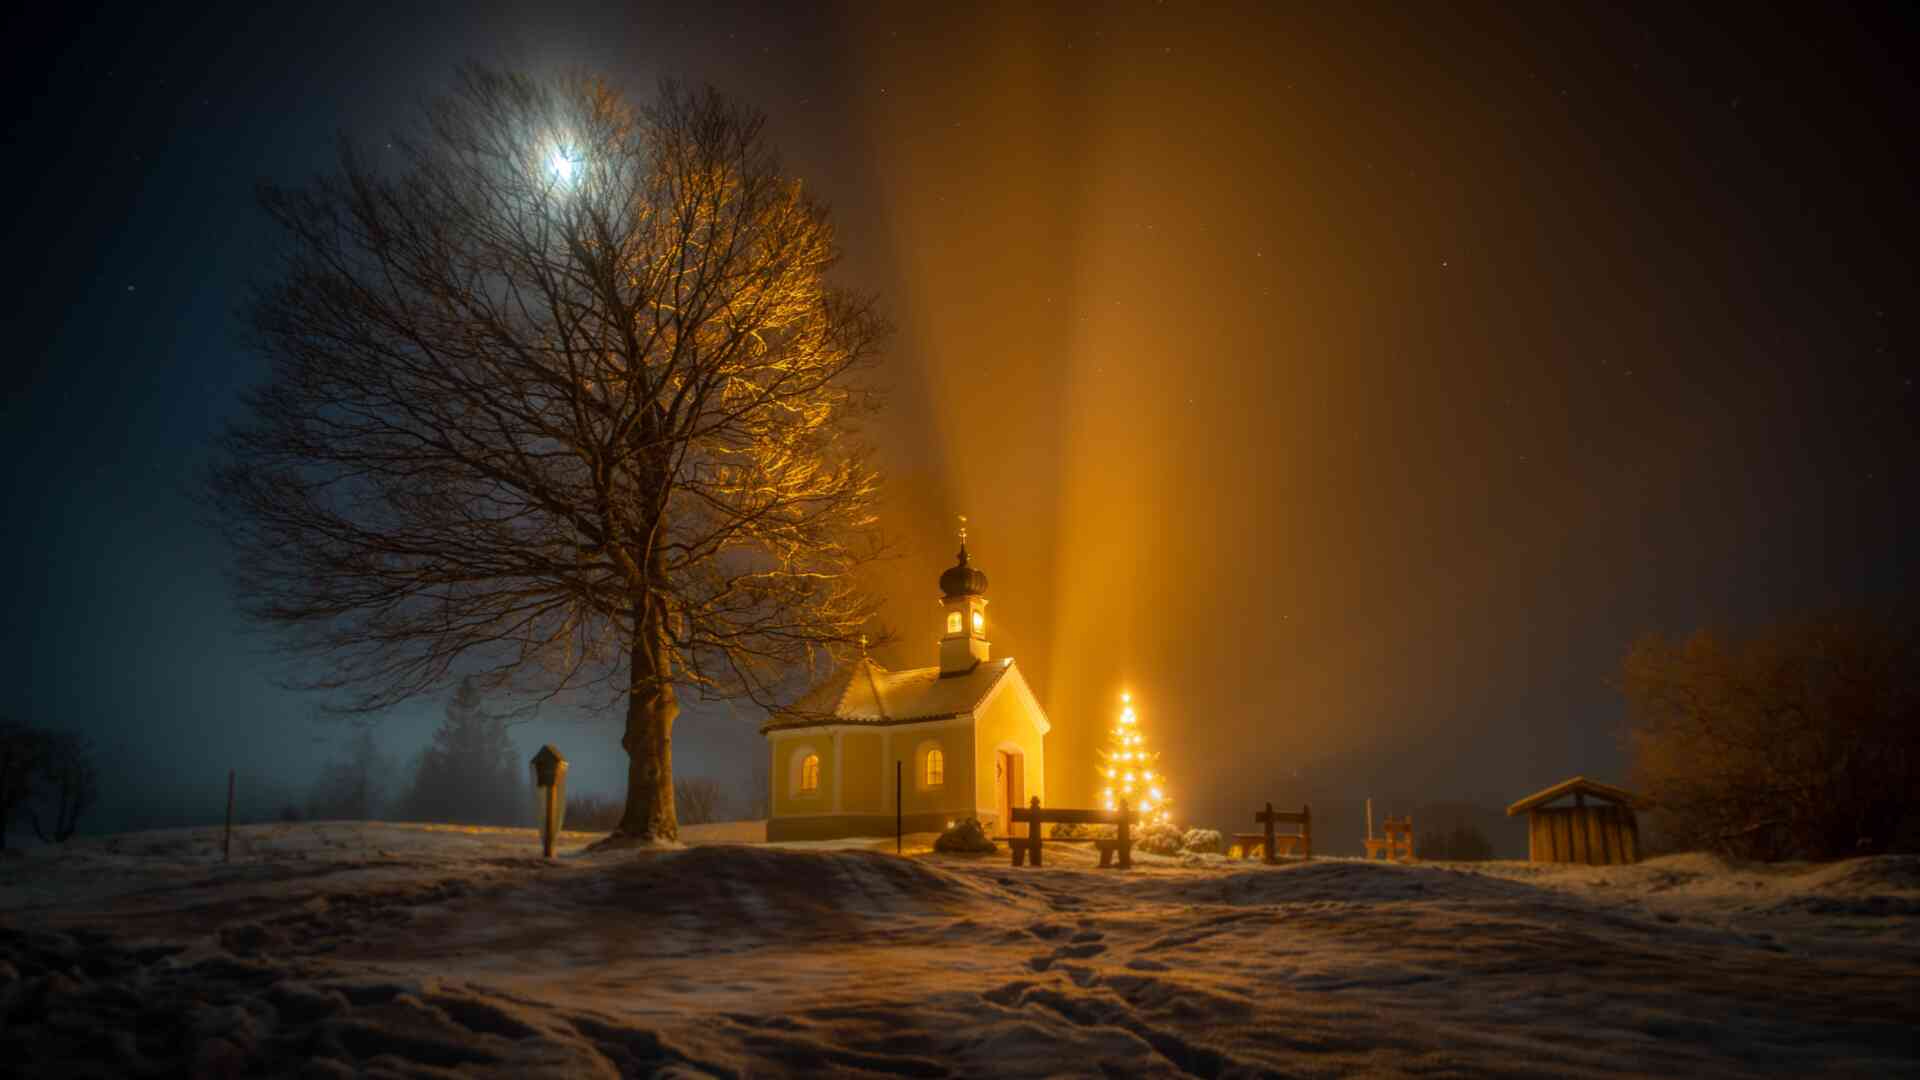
[1161, 838]
[966, 837]
[1203, 842]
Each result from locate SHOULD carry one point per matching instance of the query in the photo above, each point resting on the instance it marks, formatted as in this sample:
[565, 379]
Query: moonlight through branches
[562, 397]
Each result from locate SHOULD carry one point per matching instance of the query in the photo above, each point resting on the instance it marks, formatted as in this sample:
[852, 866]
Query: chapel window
[810, 774]
[936, 768]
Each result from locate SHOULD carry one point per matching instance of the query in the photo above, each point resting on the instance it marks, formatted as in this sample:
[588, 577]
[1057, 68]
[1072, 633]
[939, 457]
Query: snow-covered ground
[376, 949]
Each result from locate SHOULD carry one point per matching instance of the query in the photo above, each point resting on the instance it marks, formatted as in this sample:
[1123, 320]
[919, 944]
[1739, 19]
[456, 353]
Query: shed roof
[1584, 786]
[866, 693]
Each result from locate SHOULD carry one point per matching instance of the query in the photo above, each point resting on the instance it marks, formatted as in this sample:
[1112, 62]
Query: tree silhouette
[68, 786]
[351, 788]
[22, 749]
[1801, 740]
[472, 772]
[560, 394]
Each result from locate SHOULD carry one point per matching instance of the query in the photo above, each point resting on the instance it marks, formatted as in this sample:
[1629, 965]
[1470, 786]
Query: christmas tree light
[1127, 770]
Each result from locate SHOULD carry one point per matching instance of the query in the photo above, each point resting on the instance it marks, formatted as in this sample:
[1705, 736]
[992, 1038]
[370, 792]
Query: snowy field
[338, 949]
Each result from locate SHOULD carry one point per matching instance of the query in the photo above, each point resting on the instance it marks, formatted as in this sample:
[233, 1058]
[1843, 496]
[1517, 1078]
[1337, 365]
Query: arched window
[936, 768]
[979, 623]
[810, 774]
[953, 622]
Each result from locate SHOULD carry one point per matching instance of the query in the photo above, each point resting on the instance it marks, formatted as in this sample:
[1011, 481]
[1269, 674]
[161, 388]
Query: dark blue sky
[1354, 387]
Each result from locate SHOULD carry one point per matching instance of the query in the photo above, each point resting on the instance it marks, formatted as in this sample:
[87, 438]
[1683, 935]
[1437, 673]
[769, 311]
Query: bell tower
[963, 615]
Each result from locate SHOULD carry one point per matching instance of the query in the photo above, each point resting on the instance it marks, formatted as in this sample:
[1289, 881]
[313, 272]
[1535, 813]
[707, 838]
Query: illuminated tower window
[979, 623]
[953, 622]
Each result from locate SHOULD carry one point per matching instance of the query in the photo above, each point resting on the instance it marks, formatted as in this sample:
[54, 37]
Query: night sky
[1352, 388]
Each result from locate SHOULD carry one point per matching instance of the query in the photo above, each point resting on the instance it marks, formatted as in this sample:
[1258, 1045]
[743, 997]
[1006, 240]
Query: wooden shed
[1600, 835]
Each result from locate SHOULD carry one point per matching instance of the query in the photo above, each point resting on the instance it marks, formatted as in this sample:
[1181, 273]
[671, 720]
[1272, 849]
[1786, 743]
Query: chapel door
[1009, 786]
[1000, 792]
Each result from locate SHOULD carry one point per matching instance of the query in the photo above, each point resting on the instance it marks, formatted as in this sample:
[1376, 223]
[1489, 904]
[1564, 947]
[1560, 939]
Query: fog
[1352, 390]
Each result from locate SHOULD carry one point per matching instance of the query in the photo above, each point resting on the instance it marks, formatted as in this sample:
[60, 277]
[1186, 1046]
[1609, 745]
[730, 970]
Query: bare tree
[68, 787]
[757, 796]
[1802, 740]
[560, 394]
[697, 799]
[22, 749]
[351, 787]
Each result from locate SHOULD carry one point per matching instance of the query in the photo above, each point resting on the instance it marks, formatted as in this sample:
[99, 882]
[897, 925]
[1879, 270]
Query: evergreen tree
[472, 773]
[351, 788]
[1128, 770]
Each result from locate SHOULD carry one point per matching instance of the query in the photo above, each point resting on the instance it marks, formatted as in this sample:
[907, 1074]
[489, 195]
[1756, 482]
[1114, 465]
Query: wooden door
[1009, 786]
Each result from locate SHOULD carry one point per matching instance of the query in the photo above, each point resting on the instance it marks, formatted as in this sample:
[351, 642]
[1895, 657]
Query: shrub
[1202, 842]
[966, 837]
[697, 800]
[1161, 838]
[1066, 830]
[593, 813]
[1462, 843]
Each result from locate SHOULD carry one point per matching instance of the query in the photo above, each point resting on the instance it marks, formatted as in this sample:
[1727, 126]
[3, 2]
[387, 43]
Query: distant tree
[351, 788]
[68, 786]
[472, 772]
[756, 798]
[1462, 843]
[1799, 741]
[698, 799]
[592, 813]
[558, 384]
[22, 749]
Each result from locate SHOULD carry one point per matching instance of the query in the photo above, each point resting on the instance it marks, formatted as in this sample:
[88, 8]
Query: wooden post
[1033, 831]
[1126, 840]
[898, 818]
[1268, 818]
[226, 844]
[1369, 819]
[1306, 827]
[550, 776]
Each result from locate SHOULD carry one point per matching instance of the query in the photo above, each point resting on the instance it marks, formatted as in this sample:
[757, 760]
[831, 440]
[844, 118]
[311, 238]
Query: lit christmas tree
[1127, 770]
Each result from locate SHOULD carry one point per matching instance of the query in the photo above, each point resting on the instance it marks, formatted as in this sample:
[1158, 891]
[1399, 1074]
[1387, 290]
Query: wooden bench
[1272, 844]
[1034, 816]
[1397, 844]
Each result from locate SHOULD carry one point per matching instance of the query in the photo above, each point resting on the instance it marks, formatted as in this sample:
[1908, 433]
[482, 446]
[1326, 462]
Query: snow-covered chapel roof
[866, 693]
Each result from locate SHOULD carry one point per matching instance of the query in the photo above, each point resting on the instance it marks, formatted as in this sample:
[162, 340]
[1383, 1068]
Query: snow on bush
[1161, 838]
[1202, 841]
[967, 836]
[1063, 830]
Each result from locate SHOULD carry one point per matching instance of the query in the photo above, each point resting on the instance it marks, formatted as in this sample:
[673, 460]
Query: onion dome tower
[963, 603]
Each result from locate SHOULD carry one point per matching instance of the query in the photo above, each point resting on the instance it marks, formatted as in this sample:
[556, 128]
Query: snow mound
[1877, 874]
[726, 883]
[1320, 881]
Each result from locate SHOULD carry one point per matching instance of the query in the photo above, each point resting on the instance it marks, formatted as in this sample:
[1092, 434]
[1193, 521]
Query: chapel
[967, 736]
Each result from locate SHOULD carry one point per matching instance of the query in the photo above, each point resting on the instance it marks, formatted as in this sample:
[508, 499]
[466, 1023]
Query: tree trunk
[651, 708]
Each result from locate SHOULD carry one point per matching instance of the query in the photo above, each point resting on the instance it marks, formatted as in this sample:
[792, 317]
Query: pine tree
[1128, 770]
[471, 774]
